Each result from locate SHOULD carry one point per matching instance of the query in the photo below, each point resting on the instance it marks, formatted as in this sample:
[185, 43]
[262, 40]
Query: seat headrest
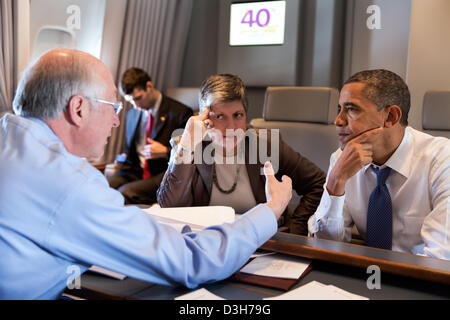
[186, 95]
[301, 104]
[436, 110]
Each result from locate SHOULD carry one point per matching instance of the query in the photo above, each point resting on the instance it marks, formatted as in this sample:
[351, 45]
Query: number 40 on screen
[262, 18]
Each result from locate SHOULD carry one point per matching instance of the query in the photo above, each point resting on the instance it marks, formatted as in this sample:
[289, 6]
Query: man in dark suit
[149, 128]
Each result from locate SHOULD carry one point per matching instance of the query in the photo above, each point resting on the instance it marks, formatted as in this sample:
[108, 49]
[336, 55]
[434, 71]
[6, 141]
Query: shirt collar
[155, 109]
[400, 161]
[44, 127]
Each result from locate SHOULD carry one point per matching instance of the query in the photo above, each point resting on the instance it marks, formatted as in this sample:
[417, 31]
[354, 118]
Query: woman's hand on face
[196, 129]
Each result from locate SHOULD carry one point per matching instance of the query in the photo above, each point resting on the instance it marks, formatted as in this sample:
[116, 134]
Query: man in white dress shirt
[372, 125]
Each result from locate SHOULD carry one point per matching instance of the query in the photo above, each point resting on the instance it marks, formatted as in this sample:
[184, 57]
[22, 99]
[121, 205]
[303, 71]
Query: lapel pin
[162, 118]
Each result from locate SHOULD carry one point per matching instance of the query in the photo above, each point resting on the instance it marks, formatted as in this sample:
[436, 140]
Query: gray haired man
[59, 214]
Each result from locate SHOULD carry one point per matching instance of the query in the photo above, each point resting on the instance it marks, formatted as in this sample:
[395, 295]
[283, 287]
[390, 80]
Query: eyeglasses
[117, 105]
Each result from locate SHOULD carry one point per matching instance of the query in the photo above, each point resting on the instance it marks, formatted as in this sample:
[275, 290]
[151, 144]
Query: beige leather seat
[305, 117]
[186, 95]
[436, 113]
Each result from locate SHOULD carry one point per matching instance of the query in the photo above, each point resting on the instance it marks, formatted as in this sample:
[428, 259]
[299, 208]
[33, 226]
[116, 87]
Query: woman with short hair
[219, 159]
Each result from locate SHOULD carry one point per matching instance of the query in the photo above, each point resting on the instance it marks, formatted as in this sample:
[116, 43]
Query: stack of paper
[278, 266]
[318, 291]
[196, 218]
[106, 272]
[259, 253]
[200, 294]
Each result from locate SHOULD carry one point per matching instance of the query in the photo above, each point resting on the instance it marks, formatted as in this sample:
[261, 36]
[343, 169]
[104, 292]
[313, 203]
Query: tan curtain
[6, 55]
[154, 40]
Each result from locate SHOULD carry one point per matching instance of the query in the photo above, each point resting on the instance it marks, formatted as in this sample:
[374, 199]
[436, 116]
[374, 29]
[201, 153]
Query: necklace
[233, 187]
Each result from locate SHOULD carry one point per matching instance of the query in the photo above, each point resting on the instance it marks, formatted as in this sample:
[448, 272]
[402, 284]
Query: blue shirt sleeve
[93, 227]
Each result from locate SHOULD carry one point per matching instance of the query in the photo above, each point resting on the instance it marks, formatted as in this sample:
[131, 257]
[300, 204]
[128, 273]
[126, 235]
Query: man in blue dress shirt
[57, 212]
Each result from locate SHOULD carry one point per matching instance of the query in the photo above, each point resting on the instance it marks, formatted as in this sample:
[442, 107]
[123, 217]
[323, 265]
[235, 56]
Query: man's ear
[77, 110]
[149, 85]
[394, 116]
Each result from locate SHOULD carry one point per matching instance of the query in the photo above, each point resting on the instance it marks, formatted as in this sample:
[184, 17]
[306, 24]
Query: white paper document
[196, 218]
[279, 266]
[200, 294]
[317, 291]
[106, 272]
[261, 254]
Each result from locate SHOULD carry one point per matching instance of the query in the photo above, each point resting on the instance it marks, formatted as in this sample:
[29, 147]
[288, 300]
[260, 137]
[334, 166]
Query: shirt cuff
[330, 207]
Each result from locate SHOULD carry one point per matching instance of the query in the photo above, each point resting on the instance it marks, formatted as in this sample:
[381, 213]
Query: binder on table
[276, 271]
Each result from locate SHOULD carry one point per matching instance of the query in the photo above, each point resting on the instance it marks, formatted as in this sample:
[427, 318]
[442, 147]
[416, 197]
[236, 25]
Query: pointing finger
[268, 169]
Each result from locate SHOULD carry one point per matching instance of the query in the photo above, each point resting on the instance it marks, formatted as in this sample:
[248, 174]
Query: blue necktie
[379, 213]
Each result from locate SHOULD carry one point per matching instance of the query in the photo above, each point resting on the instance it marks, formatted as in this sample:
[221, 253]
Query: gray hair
[220, 88]
[48, 84]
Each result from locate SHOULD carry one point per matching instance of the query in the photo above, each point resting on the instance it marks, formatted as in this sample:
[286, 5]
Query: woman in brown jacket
[227, 169]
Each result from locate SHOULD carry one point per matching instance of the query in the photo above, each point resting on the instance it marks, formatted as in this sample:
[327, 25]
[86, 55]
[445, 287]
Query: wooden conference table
[403, 276]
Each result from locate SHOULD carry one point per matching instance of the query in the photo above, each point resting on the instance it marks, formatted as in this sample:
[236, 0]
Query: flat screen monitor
[257, 23]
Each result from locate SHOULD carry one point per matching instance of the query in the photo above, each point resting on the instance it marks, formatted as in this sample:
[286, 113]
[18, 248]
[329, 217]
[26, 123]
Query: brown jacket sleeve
[182, 184]
[307, 180]
[176, 186]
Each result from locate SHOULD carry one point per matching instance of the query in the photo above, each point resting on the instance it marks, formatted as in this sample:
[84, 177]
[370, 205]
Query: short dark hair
[384, 88]
[220, 88]
[133, 78]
